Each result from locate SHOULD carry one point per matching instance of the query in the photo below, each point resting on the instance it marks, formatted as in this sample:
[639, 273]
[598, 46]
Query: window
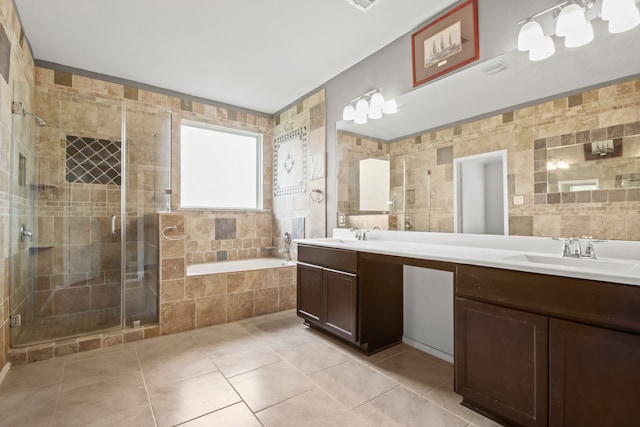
[219, 168]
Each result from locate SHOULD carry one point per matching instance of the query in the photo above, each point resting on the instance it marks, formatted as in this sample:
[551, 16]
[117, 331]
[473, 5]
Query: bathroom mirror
[377, 189]
[593, 189]
[598, 165]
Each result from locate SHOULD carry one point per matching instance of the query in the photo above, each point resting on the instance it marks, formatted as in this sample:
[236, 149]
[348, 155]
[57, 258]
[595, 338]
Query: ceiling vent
[362, 5]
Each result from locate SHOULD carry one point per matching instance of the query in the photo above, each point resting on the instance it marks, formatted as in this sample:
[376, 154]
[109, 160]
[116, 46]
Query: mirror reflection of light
[560, 164]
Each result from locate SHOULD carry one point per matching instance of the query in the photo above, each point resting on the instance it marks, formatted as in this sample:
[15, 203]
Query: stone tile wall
[16, 70]
[308, 209]
[199, 301]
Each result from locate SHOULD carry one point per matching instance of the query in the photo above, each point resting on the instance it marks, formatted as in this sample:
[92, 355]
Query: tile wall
[304, 214]
[16, 65]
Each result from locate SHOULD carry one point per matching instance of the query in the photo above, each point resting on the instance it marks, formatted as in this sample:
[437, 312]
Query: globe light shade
[349, 113]
[623, 15]
[390, 107]
[579, 36]
[377, 101]
[571, 19]
[530, 34]
[362, 109]
[542, 50]
[375, 113]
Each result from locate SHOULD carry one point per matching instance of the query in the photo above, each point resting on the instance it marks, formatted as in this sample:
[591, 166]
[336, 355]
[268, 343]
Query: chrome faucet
[571, 247]
[360, 234]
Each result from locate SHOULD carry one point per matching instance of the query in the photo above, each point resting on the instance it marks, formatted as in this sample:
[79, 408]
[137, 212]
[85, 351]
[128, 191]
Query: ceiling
[257, 55]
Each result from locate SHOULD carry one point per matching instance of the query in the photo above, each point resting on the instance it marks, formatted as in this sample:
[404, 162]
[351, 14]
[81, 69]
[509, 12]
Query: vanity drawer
[338, 259]
[599, 303]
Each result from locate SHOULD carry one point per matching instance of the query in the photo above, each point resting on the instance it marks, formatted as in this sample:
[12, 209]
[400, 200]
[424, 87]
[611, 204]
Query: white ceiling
[257, 55]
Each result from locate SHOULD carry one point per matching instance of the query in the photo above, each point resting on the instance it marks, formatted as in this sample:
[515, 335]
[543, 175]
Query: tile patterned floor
[265, 371]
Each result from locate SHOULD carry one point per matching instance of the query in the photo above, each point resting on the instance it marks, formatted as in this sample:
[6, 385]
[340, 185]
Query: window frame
[259, 165]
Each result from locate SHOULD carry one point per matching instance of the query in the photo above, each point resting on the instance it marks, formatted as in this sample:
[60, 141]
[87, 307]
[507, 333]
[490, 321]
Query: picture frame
[603, 149]
[446, 44]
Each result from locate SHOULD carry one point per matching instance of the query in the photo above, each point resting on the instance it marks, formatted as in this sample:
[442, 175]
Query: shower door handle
[113, 225]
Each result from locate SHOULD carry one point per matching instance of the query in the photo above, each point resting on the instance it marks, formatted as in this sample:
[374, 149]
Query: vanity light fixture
[574, 26]
[560, 164]
[371, 105]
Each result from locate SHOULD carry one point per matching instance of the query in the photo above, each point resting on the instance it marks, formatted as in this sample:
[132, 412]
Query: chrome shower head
[18, 108]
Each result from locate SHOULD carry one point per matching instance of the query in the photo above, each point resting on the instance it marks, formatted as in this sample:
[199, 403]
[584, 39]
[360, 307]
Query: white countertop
[618, 261]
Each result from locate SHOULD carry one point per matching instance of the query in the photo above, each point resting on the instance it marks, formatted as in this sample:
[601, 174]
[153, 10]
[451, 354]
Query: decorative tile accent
[575, 100]
[615, 131]
[225, 228]
[221, 255]
[457, 130]
[186, 105]
[5, 54]
[290, 163]
[131, 93]
[418, 140]
[232, 115]
[62, 78]
[507, 117]
[93, 161]
[445, 155]
[539, 143]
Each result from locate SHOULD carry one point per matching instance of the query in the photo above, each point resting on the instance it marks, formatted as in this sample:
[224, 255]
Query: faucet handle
[590, 252]
[568, 245]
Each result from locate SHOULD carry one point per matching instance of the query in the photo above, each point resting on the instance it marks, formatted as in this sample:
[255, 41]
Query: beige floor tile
[287, 339]
[99, 352]
[239, 360]
[29, 407]
[352, 383]
[168, 364]
[226, 337]
[310, 409]
[444, 396]
[97, 369]
[234, 415]
[82, 405]
[139, 416]
[191, 398]
[270, 384]
[313, 357]
[402, 407]
[36, 374]
[415, 370]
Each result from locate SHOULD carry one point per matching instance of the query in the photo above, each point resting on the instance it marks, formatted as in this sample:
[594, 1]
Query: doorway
[480, 194]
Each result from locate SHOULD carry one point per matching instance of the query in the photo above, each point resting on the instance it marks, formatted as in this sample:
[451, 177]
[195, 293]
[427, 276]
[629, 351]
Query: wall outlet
[518, 200]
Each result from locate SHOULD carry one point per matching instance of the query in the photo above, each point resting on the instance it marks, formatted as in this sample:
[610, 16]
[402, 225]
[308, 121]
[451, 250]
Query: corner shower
[88, 176]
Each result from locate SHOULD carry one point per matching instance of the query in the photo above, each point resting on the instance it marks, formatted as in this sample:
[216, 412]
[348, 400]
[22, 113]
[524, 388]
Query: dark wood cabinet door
[501, 365]
[341, 304]
[594, 376]
[310, 293]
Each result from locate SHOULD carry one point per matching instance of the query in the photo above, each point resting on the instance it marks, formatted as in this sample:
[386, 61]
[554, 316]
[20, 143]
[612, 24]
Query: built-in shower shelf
[38, 247]
[43, 186]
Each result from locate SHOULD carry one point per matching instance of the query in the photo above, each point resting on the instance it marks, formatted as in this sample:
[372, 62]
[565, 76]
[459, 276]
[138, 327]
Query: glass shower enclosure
[88, 176]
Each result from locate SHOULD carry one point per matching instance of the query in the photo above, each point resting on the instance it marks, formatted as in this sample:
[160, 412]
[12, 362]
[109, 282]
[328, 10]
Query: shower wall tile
[5, 54]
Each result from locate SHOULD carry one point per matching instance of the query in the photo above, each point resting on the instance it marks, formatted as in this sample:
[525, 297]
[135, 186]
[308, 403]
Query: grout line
[146, 389]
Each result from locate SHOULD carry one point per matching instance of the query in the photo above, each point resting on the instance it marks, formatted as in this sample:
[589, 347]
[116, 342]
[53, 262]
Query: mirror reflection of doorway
[480, 194]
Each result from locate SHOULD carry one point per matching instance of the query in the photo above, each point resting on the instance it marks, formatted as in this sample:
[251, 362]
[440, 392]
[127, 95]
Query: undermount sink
[584, 263]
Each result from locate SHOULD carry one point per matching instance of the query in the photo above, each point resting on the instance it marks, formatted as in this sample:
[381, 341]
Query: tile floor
[265, 371]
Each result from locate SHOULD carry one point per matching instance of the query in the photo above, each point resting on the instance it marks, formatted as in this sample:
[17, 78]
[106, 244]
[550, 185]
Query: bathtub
[239, 265]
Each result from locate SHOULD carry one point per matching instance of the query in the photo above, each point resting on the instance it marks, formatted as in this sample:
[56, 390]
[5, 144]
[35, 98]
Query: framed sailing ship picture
[446, 44]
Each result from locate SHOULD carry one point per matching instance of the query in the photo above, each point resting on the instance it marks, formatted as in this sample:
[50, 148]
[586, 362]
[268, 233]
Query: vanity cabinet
[328, 290]
[541, 350]
[354, 296]
[501, 361]
[594, 376]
